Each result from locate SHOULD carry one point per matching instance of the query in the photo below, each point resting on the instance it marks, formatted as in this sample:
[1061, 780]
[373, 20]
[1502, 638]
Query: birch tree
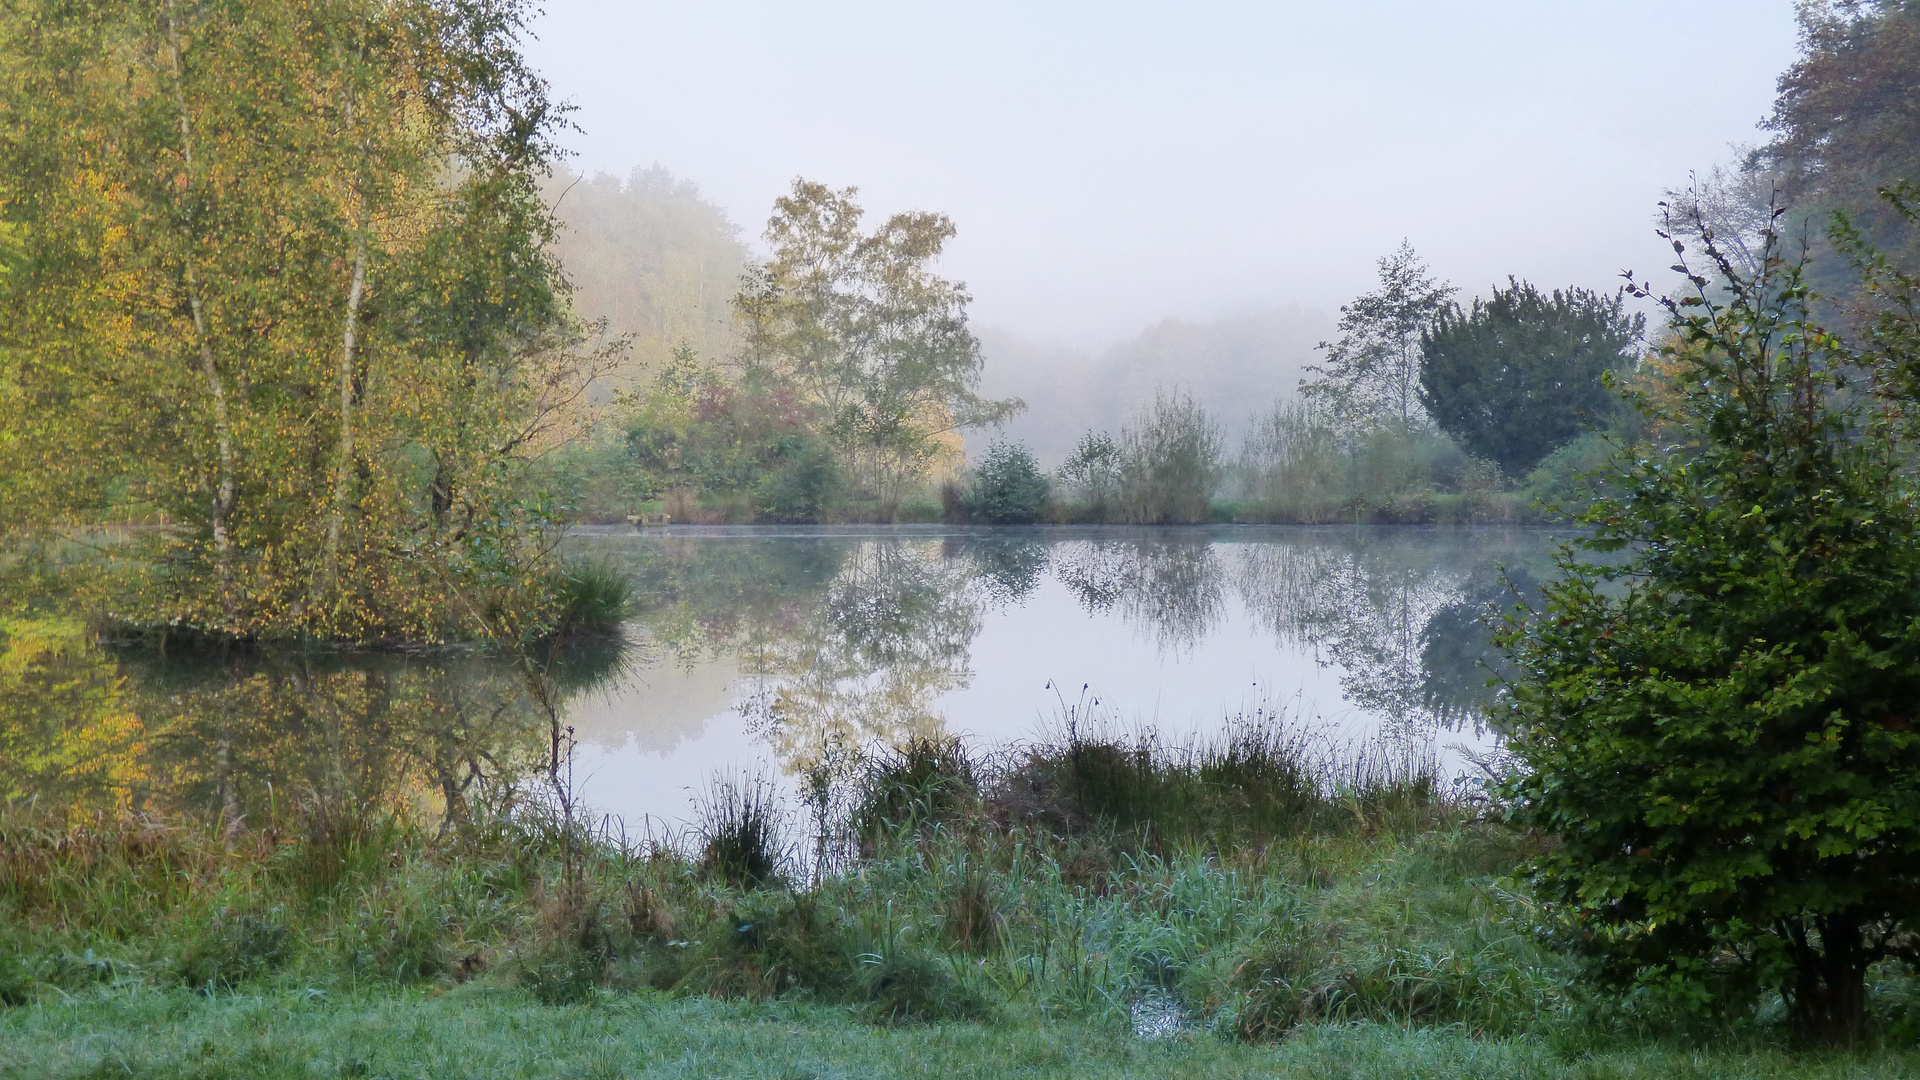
[272, 257]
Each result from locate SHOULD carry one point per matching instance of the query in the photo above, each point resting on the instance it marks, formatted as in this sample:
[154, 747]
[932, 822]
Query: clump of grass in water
[1259, 781]
[590, 598]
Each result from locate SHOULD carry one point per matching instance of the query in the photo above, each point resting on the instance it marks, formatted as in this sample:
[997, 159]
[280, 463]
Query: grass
[483, 1031]
[1298, 914]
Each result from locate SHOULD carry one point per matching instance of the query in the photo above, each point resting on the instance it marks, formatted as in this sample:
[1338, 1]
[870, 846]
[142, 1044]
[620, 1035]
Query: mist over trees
[1230, 367]
[653, 259]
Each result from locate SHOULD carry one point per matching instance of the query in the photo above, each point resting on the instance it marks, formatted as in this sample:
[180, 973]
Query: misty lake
[766, 651]
[762, 651]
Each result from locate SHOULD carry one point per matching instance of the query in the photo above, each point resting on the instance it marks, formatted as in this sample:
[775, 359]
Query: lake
[770, 652]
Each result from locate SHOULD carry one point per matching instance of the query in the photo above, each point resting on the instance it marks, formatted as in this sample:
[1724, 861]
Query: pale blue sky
[1109, 164]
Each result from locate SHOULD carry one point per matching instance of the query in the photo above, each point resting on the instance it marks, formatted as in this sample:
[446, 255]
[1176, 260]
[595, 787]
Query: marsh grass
[1267, 889]
[743, 832]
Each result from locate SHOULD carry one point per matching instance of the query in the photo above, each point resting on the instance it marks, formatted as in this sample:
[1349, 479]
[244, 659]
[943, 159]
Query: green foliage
[856, 326]
[1718, 731]
[913, 987]
[239, 947]
[695, 431]
[1298, 465]
[1171, 462]
[1007, 486]
[925, 783]
[1523, 372]
[286, 296]
[1091, 474]
[1844, 125]
[1371, 376]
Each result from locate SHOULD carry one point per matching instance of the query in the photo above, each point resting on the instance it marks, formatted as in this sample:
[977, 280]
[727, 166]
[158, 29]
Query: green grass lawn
[480, 1031]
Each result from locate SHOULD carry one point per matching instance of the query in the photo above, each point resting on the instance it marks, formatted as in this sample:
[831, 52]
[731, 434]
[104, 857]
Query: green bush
[802, 480]
[1720, 733]
[1007, 486]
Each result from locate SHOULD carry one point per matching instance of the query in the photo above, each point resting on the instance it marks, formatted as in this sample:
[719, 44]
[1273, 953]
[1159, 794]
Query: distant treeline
[1423, 412]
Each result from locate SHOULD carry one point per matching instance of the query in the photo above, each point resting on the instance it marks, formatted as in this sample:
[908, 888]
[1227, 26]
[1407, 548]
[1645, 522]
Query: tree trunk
[226, 487]
[349, 352]
[1827, 1002]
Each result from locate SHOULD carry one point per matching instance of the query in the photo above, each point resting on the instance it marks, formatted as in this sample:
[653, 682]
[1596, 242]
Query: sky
[1111, 164]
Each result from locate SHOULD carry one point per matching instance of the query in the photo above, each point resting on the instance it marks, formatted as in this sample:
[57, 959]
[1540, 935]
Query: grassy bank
[501, 1034]
[1246, 906]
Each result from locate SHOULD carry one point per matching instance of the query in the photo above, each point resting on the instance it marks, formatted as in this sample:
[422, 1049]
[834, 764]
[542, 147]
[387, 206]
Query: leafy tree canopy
[1847, 119]
[1520, 373]
[278, 279]
[864, 330]
[1719, 729]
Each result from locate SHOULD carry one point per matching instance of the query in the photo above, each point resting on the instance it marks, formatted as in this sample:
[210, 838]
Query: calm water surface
[774, 651]
[770, 651]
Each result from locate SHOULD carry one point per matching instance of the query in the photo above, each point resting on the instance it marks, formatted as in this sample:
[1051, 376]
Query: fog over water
[1113, 165]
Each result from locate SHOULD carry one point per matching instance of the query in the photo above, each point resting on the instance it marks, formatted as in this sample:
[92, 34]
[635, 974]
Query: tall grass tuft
[1256, 782]
[926, 782]
[590, 598]
[742, 831]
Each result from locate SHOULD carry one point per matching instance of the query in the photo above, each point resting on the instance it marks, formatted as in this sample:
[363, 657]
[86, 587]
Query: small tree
[1519, 374]
[1371, 377]
[1720, 731]
[1008, 487]
[860, 328]
[1092, 472]
[1170, 462]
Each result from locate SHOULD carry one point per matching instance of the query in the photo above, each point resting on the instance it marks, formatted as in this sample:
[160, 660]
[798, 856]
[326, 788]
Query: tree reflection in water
[890, 635]
[250, 735]
[844, 641]
[1171, 589]
[854, 640]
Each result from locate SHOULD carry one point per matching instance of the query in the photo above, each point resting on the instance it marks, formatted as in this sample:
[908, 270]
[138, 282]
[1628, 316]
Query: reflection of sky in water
[1176, 631]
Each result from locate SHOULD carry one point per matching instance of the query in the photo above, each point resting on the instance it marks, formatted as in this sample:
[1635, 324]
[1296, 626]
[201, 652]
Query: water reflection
[792, 651]
[888, 636]
[1171, 589]
[840, 640]
[250, 736]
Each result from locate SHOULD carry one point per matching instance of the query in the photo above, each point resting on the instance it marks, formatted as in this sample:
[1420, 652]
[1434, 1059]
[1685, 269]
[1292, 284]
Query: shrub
[1007, 487]
[1726, 747]
[801, 482]
[1091, 474]
[1170, 462]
